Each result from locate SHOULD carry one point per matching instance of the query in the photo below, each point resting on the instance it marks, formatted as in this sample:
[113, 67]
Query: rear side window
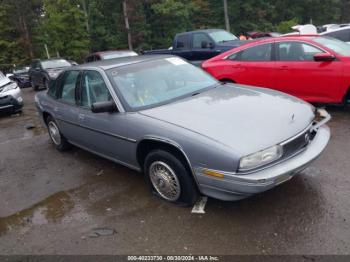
[68, 84]
[297, 51]
[182, 41]
[257, 53]
[343, 35]
[235, 56]
[54, 87]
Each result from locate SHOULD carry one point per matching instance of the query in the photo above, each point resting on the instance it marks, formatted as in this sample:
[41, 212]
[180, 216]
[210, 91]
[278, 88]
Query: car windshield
[20, 70]
[55, 63]
[335, 45]
[222, 36]
[1, 75]
[153, 83]
[118, 55]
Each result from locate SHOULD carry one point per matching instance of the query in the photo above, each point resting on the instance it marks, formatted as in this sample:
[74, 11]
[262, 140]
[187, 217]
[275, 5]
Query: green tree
[169, 17]
[63, 29]
[11, 51]
[106, 25]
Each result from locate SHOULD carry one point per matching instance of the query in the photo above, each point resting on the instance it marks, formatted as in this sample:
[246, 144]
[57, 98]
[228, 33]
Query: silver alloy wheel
[54, 133]
[165, 181]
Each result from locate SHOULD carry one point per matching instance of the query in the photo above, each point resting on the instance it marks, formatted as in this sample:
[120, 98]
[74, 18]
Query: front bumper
[11, 101]
[234, 187]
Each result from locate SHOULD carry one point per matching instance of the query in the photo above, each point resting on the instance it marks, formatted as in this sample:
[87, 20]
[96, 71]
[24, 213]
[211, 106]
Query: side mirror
[9, 75]
[211, 45]
[103, 107]
[323, 57]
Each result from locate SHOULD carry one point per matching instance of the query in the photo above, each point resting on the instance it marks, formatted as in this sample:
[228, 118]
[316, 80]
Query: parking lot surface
[78, 203]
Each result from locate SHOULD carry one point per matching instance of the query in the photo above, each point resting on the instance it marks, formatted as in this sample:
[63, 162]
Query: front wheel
[46, 83]
[57, 138]
[227, 81]
[169, 178]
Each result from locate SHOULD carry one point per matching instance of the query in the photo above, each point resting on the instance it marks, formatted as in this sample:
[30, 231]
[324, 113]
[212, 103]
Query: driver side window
[201, 40]
[93, 89]
[297, 51]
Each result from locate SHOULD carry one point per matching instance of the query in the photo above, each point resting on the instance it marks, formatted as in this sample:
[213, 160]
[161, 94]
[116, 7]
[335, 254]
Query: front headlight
[9, 87]
[260, 158]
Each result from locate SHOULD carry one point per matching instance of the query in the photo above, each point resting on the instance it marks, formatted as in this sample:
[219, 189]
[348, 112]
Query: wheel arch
[45, 116]
[227, 80]
[146, 145]
[346, 97]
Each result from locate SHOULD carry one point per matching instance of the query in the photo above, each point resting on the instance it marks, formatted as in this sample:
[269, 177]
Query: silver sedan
[187, 133]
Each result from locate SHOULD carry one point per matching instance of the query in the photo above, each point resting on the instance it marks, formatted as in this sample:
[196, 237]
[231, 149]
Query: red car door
[252, 66]
[298, 74]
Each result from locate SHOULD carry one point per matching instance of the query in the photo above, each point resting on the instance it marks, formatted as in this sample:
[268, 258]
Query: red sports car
[313, 68]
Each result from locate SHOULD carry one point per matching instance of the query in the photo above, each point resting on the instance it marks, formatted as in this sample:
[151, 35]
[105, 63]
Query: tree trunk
[27, 40]
[86, 14]
[344, 16]
[127, 27]
[227, 20]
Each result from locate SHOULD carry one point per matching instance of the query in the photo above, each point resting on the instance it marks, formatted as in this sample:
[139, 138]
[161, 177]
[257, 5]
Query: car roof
[51, 59]
[122, 61]
[201, 31]
[112, 52]
[336, 30]
[285, 38]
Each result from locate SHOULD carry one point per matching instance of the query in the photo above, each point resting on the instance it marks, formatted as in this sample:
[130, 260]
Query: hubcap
[165, 181]
[54, 133]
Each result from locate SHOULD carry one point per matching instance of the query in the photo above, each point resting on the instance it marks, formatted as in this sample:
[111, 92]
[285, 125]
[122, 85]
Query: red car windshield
[335, 45]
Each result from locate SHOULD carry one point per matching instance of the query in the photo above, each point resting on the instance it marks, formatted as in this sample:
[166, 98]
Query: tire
[46, 83]
[227, 81]
[35, 88]
[346, 101]
[170, 169]
[56, 137]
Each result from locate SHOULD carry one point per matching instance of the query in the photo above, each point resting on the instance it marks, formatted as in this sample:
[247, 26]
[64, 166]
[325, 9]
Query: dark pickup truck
[200, 45]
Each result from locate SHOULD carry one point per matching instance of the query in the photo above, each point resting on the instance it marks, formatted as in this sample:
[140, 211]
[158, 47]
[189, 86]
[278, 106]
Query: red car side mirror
[322, 57]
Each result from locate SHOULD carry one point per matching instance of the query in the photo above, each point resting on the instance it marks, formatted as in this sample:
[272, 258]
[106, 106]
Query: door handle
[237, 66]
[283, 67]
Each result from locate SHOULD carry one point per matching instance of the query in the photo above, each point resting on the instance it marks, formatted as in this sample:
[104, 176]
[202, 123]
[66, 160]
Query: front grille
[296, 145]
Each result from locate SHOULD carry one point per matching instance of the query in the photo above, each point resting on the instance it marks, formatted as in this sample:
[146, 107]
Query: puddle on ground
[36, 131]
[51, 209]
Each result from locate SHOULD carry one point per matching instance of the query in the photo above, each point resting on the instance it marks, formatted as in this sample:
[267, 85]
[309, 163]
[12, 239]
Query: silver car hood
[244, 118]
[4, 81]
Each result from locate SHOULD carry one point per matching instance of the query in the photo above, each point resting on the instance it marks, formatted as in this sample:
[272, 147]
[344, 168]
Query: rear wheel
[35, 87]
[347, 99]
[57, 138]
[169, 178]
